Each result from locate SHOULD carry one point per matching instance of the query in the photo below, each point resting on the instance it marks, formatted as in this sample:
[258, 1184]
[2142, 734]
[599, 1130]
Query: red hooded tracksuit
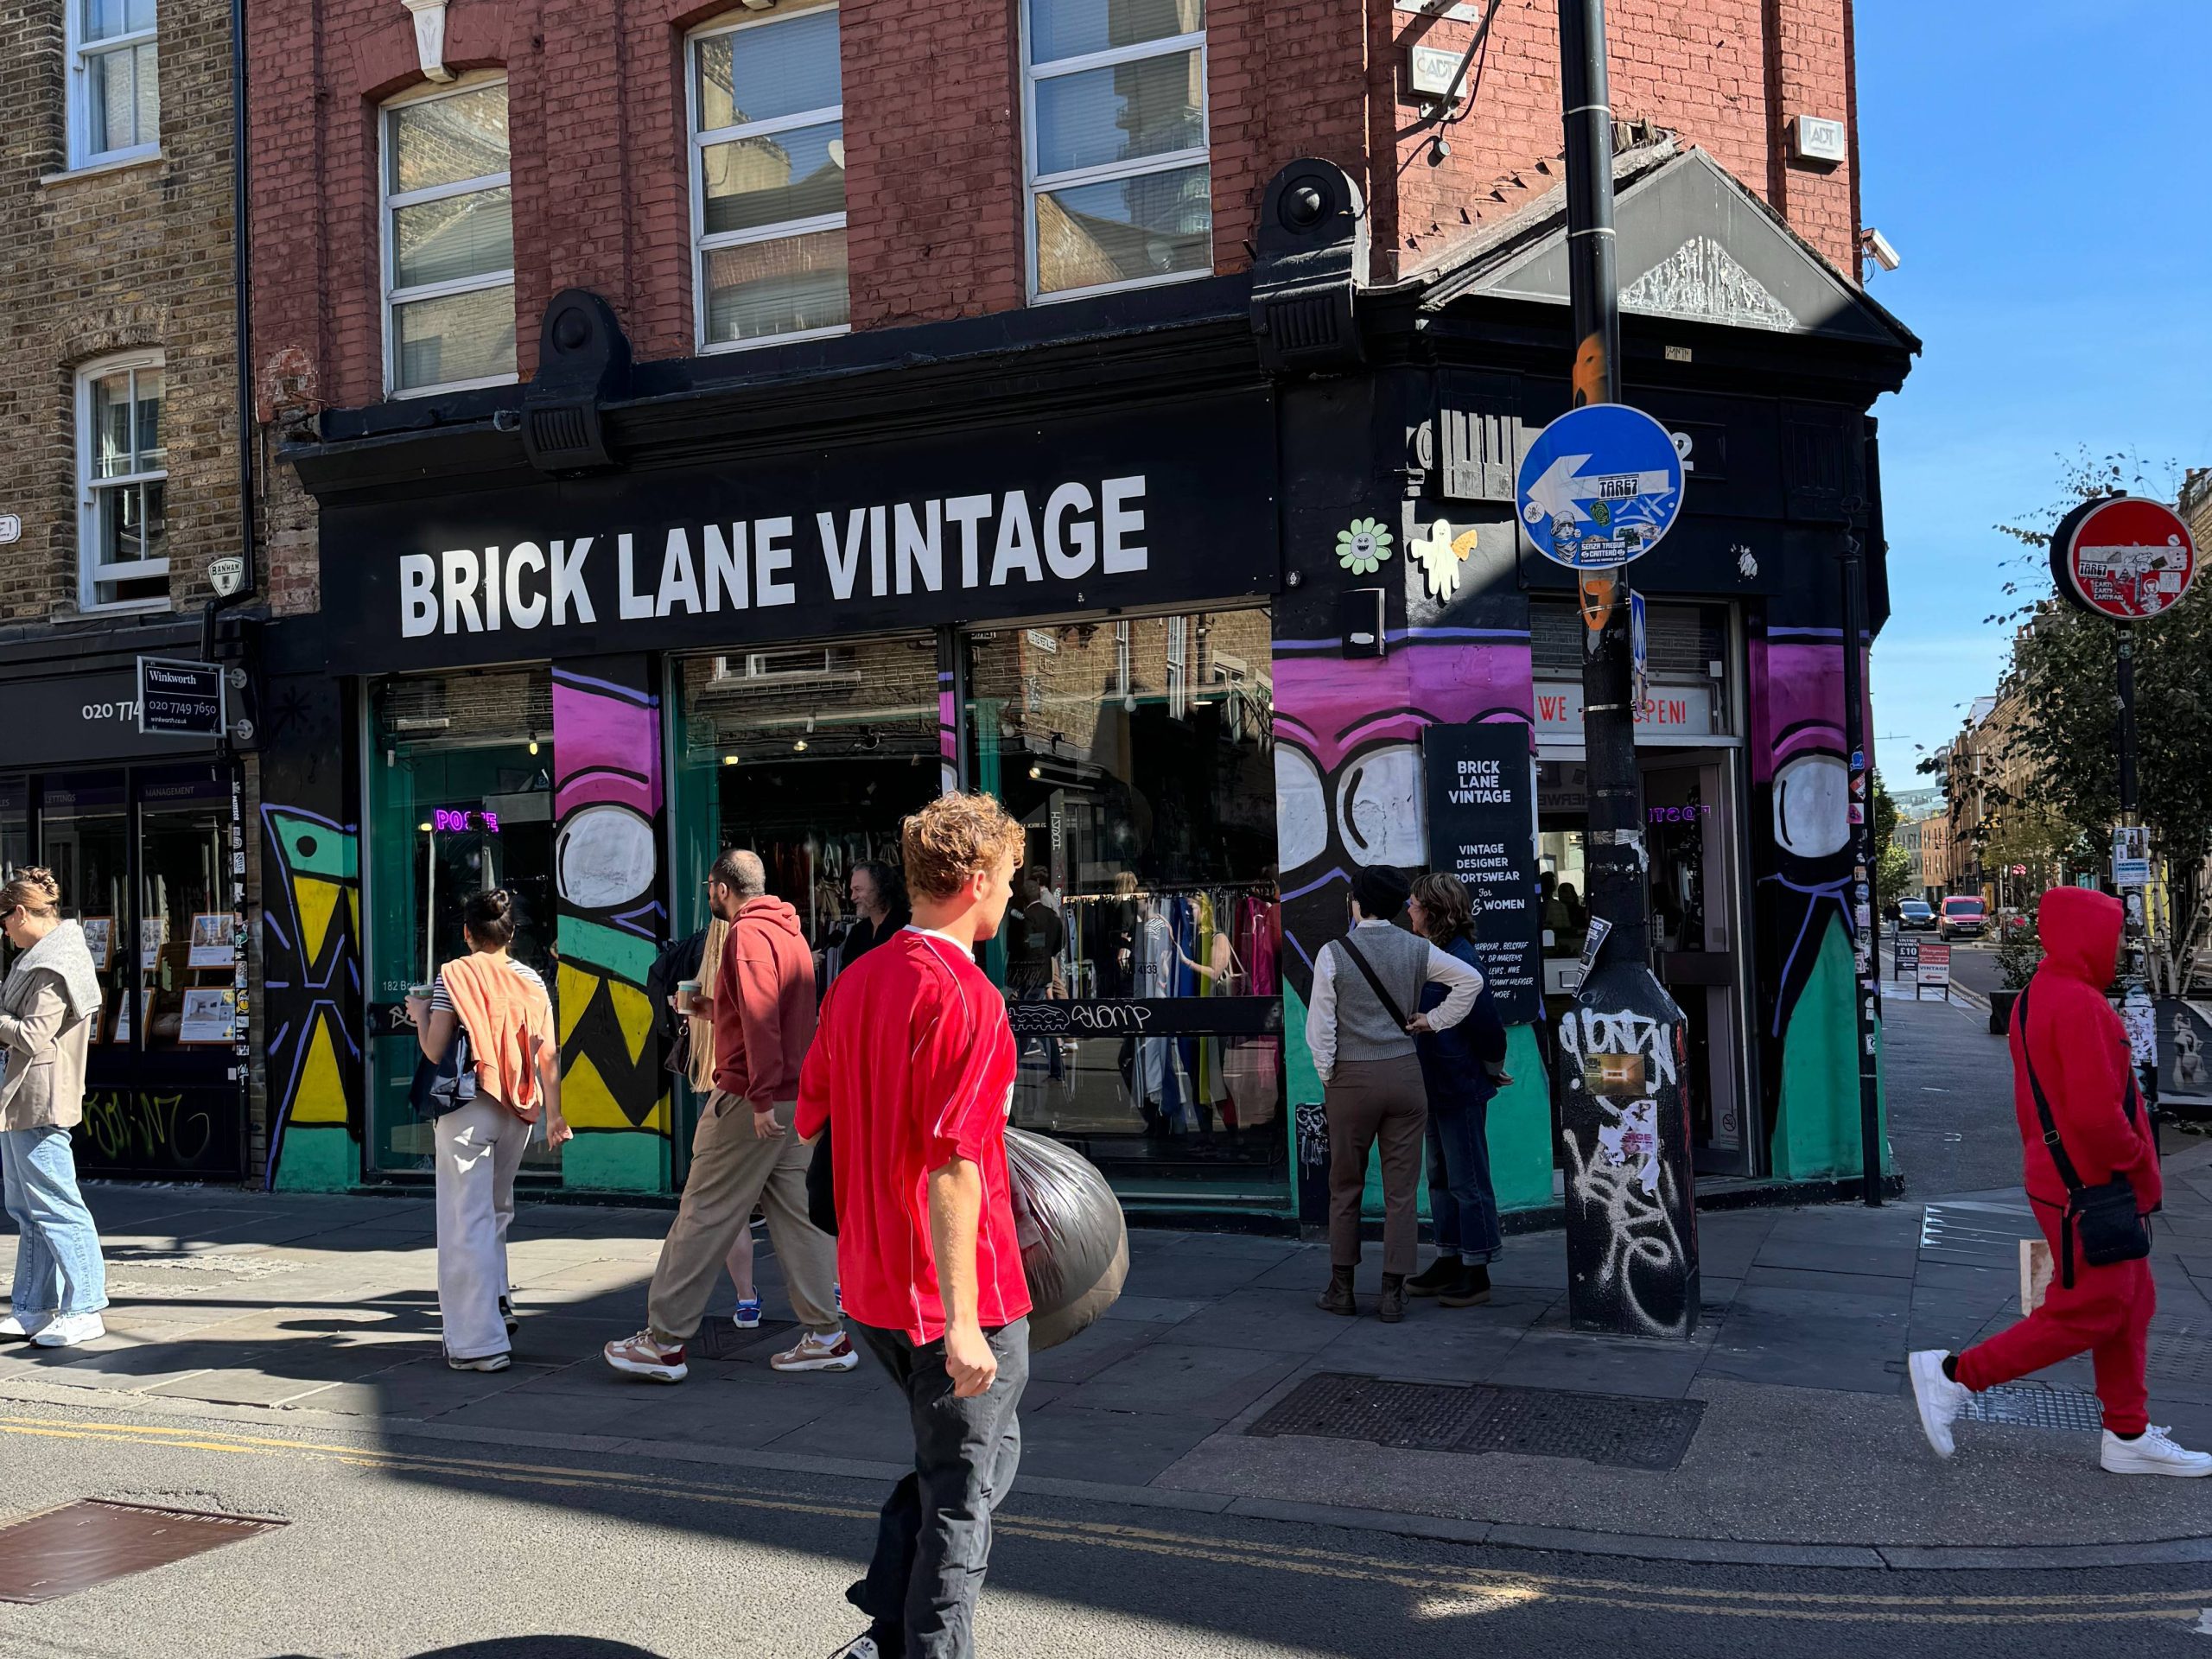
[2080, 1056]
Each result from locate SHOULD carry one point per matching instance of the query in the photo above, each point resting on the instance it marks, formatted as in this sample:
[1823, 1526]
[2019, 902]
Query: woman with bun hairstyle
[513, 1079]
[48, 1004]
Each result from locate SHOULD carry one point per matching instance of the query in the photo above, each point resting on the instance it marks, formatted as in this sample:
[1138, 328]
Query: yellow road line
[1483, 1588]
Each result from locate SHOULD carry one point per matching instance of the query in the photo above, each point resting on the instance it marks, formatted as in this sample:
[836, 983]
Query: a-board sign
[179, 699]
[1933, 975]
[1482, 823]
[1905, 959]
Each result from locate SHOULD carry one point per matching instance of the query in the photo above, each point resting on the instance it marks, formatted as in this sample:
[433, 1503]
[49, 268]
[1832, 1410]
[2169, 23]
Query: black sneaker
[879, 1640]
[1469, 1289]
[507, 1313]
[1436, 1278]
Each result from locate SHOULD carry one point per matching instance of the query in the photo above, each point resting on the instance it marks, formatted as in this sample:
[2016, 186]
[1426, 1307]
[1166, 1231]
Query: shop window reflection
[187, 962]
[85, 832]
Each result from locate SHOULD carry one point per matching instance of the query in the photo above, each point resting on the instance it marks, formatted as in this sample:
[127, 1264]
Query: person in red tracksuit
[2079, 1050]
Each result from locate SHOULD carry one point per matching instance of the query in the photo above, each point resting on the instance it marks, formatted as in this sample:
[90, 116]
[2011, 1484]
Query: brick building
[733, 422]
[119, 487]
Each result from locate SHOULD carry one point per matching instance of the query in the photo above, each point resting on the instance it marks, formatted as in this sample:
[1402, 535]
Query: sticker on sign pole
[2124, 557]
[1599, 487]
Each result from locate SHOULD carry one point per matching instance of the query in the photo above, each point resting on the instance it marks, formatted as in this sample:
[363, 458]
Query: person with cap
[1360, 1032]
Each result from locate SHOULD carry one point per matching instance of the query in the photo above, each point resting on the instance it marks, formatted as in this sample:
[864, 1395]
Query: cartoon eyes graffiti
[1376, 814]
[1811, 794]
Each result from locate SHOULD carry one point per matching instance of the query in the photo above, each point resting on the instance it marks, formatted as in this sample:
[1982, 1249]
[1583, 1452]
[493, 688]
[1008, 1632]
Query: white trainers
[21, 1327]
[2150, 1452]
[481, 1363]
[815, 1353]
[67, 1330]
[1940, 1398]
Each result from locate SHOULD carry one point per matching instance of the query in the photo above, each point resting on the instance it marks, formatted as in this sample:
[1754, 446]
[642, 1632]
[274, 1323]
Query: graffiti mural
[311, 981]
[606, 804]
[1804, 896]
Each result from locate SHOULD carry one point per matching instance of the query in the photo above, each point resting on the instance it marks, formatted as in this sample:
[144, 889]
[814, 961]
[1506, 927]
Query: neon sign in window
[447, 820]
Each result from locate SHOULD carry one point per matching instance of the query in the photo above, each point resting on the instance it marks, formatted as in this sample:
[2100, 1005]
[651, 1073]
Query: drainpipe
[243, 315]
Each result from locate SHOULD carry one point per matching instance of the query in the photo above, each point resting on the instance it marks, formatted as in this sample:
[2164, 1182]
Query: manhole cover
[2031, 1406]
[721, 1339]
[1627, 1432]
[93, 1541]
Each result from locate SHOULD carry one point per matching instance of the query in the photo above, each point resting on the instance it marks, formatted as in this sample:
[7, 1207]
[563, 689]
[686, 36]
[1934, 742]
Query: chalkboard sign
[1481, 828]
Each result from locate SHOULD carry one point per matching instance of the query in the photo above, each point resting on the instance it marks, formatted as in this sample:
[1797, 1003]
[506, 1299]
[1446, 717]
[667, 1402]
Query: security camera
[1877, 248]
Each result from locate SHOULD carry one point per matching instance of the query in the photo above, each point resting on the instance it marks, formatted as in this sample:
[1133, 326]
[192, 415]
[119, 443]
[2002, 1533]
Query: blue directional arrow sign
[1599, 487]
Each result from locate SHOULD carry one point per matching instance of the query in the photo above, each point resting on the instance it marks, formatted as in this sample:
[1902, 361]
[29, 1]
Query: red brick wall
[933, 145]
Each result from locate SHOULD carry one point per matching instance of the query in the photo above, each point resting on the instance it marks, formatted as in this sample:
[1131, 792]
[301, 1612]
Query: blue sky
[2044, 169]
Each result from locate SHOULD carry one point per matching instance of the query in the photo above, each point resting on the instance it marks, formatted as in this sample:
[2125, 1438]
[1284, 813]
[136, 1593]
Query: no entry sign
[2124, 557]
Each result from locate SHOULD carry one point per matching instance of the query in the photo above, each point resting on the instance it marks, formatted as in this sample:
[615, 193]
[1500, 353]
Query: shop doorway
[461, 799]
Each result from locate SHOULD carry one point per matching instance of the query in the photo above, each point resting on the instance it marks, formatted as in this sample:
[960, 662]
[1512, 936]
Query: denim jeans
[1460, 1199]
[933, 1544]
[58, 1265]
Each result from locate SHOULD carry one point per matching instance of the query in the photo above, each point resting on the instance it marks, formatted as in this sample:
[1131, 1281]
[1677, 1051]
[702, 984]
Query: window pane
[757, 75]
[765, 289]
[112, 448]
[1075, 28]
[1129, 228]
[148, 108]
[153, 454]
[753, 181]
[105, 19]
[457, 236]
[1151, 107]
[111, 83]
[449, 139]
[460, 337]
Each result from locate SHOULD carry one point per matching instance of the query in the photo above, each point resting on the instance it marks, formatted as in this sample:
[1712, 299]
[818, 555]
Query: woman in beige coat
[48, 1004]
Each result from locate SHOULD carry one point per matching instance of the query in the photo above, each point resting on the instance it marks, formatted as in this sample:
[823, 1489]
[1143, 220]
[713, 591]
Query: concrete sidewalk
[301, 1312]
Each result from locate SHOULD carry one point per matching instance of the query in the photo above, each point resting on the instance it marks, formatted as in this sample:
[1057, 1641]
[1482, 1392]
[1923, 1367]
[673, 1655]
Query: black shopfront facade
[1186, 577]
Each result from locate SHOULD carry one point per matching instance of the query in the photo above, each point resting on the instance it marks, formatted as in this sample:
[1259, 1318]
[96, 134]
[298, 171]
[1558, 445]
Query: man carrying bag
[2092, 1175]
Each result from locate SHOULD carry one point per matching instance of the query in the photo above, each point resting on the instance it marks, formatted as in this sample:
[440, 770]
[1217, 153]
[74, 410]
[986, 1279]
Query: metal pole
[1862, 864]
[2136, 1007]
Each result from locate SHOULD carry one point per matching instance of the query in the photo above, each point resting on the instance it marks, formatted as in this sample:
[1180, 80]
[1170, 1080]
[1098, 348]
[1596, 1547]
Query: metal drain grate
[2031, 1406]
[1624, 1431]
[722, 1340]
[93, 1541]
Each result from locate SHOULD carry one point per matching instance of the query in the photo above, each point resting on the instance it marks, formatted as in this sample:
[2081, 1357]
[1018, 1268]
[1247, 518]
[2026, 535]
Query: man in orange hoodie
[2065, 1029]
[744, 1152]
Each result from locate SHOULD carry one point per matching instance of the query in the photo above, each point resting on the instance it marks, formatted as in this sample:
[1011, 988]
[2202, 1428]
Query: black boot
[1469, 1289]
[1337, 1298]
[1437, 1277]
[1392, 1306]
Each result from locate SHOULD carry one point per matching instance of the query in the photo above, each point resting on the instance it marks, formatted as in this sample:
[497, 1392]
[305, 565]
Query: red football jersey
[913, 1065]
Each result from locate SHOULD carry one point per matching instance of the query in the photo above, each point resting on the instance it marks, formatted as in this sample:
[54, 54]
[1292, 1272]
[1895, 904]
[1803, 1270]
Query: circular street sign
[1599, 487]
[2124, 557]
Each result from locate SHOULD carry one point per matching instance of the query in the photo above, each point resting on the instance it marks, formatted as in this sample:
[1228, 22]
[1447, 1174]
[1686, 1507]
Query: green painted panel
[312, 848]
[1816, 1131]
[318, 1159]
[1521, 1126]
[616, 1160]
[625, 955]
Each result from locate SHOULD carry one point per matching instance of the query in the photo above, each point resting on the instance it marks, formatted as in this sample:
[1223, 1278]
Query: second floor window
[449, 242]
[123, 482]
[1121, 192]
[768, 180]
[115, 94]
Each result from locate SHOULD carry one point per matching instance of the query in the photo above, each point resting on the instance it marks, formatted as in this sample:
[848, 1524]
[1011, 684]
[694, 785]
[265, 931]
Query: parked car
[1963, 917]
[1915, 915]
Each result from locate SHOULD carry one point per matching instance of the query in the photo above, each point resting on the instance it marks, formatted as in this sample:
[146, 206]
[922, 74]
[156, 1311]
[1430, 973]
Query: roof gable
[1692, 243]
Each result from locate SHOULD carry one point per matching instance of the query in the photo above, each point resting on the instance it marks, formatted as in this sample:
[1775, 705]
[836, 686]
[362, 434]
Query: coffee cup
[686, 996]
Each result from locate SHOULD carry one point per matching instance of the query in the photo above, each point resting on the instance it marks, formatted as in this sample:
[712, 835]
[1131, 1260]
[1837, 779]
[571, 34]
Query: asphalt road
[404, 1549]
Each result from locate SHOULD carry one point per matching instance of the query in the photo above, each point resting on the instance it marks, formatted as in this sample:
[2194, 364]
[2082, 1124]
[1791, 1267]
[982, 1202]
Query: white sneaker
[1940, 1398]
[2150, 1452]
[20, 1327]
[481, 1363]
[67, 1330]
[814, 1353]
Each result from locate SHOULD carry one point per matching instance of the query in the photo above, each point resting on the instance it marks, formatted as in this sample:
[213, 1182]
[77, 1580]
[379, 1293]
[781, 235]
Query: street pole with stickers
[1598, 488]
[1866, 960]
[2128, 560]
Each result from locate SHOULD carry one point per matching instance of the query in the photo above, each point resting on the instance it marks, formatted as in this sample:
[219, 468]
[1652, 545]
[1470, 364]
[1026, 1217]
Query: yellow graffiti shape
[575, 989]
[633, 1010]
[318, 901]
[588, 1104]
[320, 1097]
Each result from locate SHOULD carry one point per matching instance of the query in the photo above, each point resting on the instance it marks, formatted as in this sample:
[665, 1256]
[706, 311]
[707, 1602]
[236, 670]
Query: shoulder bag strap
[1367, 970]
[2065, 1164]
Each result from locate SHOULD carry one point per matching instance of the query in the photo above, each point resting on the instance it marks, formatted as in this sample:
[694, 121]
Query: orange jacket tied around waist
[508, 1021]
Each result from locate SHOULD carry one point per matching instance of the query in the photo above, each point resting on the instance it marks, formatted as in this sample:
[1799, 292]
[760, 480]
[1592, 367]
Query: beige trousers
[732, 1170]
[1372, 1102]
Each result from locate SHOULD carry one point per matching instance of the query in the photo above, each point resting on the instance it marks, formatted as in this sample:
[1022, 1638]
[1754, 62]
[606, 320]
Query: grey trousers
[933, 1542]
[479, 1148]
[1368, 1102]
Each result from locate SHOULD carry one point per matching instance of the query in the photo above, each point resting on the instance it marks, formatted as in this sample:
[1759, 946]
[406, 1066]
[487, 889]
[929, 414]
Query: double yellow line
[1447, 1592]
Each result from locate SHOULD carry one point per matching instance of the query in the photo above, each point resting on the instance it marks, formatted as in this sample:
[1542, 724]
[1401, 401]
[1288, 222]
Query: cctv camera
[1878, 246]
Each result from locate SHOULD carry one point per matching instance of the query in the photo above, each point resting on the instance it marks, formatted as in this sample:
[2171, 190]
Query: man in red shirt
[912, 1072]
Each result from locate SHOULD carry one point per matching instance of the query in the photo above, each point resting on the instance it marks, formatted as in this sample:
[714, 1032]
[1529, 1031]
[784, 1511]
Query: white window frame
[388, 256]
[1034, 182]
[783, 230]
[81, 53]
[90, 488]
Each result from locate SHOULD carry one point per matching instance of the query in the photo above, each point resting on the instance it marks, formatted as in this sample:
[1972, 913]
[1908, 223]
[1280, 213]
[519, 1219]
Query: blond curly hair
[952, 838]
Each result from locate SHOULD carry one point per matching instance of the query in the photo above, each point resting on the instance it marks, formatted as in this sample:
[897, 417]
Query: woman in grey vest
[1360, 1028]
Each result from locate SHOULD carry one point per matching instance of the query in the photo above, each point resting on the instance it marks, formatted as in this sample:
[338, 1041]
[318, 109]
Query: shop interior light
[1036, 772]
[533, 743]
[800, 747]
[424, 828]
[730, 760]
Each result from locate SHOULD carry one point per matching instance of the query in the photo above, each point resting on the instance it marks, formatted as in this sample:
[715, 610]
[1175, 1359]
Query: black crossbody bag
[2112, 1228]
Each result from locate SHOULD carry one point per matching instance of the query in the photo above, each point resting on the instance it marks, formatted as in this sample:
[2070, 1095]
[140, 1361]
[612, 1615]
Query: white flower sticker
[1362, 548]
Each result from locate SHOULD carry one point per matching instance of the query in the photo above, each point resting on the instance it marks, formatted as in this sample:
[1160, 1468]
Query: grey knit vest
[1400, 960]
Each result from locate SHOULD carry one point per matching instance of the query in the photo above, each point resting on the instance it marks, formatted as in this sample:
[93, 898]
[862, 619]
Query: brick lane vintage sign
[1156, 506]
[1482, 823]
